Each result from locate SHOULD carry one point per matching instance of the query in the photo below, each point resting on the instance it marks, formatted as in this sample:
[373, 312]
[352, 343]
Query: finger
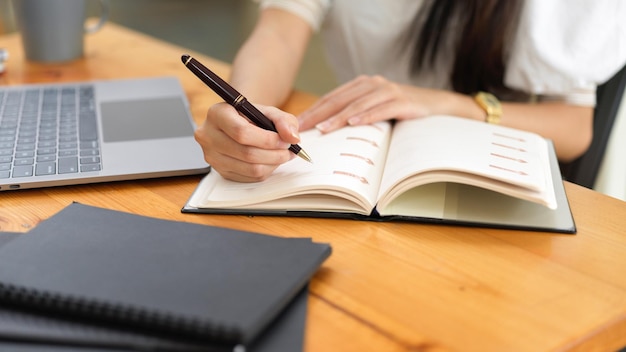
[234, 156]
[333, 102]
[363, 109]
[330, 104]
[286, 124]
[354, 113]
[381, 112]
[226, 119]
[238, 161]
[236, 170]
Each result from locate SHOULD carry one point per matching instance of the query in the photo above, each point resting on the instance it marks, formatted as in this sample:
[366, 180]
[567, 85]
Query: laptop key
[47, 144]
[90, 167]
[68, 152]
[68, 165]
[27, 146]
[90, 152]
[66, 146]
[25, 154]
[88, 126]
[45, 168]
[24, 161]
[22, 171]
[43, 151]
[26, 140]
[45, 158]
[90, 160]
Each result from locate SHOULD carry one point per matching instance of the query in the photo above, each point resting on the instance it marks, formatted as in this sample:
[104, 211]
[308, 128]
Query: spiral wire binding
[132, 317]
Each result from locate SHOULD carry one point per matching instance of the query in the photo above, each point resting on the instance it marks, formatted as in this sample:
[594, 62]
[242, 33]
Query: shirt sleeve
[564, 49]
[312, 11]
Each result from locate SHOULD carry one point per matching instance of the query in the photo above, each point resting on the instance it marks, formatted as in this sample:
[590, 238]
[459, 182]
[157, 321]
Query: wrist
[462, 105]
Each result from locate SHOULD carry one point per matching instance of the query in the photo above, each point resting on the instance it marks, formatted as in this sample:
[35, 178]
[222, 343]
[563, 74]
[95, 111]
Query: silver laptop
[87, 132]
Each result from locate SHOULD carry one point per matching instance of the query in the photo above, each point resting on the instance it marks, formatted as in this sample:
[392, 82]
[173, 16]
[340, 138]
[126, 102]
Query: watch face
[492, 106]
[491, 100]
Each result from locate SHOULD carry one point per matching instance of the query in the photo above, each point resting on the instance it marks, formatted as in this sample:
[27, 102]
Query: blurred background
[218, 27]
[213, 27]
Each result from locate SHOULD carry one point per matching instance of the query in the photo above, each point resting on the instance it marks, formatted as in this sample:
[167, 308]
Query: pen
[234, 98]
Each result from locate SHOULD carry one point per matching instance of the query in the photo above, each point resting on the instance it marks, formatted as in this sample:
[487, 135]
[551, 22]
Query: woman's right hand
[241, 151]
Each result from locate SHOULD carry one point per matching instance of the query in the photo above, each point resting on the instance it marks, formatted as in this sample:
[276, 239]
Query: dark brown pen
[234, 98]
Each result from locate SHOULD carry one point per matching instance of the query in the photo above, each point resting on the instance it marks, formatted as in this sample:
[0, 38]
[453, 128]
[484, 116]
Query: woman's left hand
[368, 99]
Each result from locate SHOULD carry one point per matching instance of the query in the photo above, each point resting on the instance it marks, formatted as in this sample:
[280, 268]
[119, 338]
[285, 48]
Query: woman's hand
[241, 151]
[369, 99]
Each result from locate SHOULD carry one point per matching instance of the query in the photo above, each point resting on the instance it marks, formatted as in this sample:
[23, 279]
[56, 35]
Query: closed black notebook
[185, 282]
[26, 331]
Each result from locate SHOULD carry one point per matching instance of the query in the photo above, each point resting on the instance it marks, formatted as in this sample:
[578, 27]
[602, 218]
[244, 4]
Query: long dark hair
[481, 31]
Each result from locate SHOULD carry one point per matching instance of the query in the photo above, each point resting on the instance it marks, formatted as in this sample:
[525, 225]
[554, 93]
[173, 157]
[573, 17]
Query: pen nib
[304, 155]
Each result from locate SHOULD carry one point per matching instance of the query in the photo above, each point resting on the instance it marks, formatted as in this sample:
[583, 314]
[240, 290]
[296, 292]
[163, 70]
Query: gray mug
[53, 30]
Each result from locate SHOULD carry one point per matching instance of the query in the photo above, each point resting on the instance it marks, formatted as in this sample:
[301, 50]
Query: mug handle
[104, 16]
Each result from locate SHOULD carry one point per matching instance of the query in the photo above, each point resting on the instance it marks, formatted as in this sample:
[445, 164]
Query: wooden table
[387, 286]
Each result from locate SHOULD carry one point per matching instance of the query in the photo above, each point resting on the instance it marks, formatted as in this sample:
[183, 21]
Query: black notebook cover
[5, 237]
[189, 282]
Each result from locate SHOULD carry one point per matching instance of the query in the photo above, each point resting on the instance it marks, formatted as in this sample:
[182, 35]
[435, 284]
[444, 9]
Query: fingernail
[323, 126]
[354, 121]
[294, 132]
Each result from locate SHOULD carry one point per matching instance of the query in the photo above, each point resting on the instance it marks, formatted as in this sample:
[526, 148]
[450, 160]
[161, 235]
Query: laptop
[58, 134]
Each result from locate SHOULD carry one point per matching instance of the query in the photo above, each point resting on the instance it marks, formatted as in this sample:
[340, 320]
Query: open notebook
[440, 169]
[72, 133]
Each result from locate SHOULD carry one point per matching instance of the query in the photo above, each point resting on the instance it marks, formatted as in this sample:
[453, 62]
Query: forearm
[368, 99]
[265, 67]
[570, 127]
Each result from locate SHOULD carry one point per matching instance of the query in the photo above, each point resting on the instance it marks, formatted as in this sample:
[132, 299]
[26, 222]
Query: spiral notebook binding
[148, 321]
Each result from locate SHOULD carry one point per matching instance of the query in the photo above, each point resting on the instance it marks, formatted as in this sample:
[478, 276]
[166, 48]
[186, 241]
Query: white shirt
[562, 50]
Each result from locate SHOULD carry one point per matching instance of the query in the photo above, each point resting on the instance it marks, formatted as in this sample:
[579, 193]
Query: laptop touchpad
[145, 119]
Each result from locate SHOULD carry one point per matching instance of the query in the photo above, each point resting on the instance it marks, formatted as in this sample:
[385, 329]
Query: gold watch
[491, 105]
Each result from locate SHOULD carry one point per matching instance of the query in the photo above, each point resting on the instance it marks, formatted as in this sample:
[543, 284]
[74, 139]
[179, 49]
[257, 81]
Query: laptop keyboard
[48, 131]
